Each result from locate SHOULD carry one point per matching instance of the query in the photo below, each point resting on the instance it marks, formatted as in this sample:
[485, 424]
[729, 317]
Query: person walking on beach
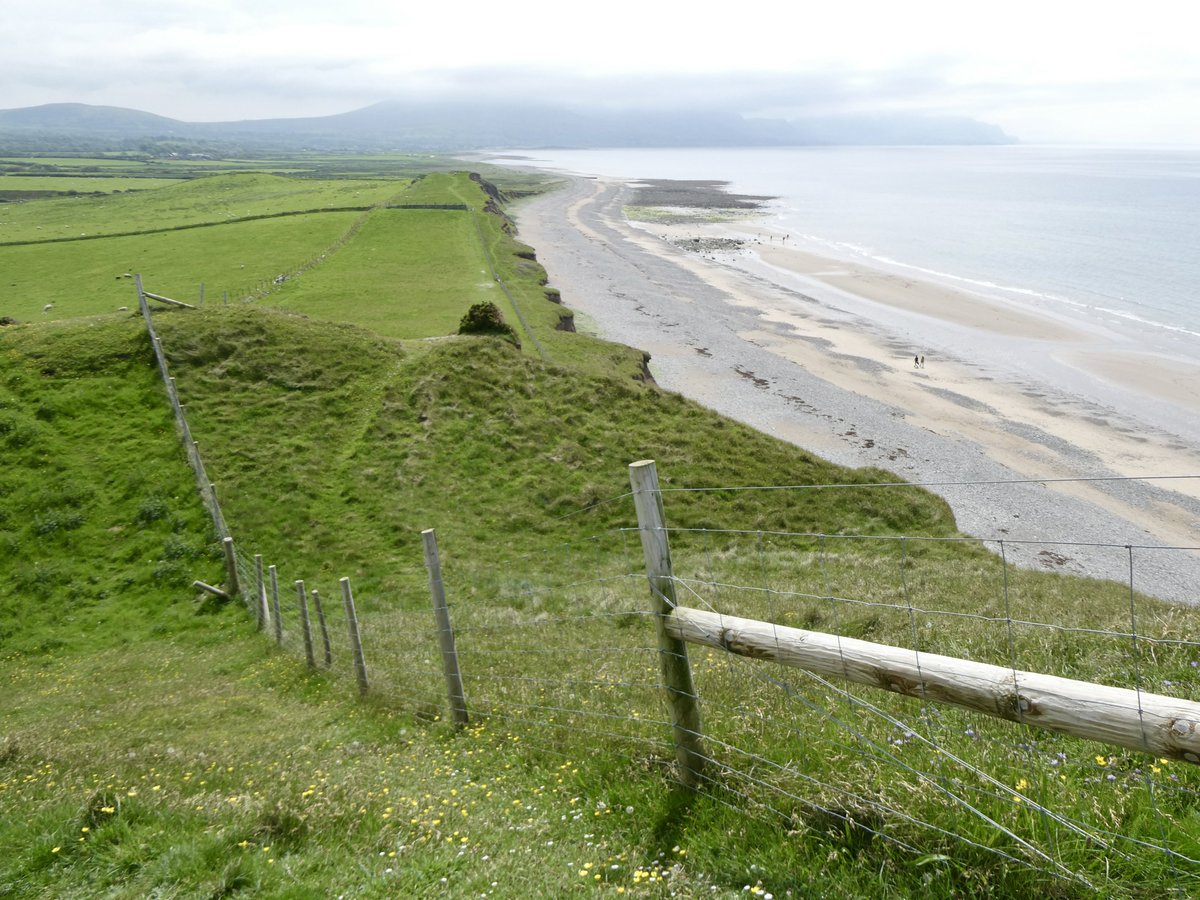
[922, 360]
[916, 362]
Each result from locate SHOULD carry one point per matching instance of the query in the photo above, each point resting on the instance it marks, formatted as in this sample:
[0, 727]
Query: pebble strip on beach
[684, 302]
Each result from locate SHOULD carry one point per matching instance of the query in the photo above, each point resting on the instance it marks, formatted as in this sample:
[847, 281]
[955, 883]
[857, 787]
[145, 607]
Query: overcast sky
[1045, 71]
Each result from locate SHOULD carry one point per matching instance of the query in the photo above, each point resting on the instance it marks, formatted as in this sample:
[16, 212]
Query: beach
[1051, 436]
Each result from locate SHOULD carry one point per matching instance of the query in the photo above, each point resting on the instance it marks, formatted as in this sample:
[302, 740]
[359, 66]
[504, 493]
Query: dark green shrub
[485, 318]
[152, 509]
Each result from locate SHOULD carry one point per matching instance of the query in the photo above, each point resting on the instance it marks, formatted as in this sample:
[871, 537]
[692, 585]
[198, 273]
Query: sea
[1106, 236]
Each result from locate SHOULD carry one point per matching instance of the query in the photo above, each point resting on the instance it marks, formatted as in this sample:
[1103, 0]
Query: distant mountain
[80, 118]
[397, 125]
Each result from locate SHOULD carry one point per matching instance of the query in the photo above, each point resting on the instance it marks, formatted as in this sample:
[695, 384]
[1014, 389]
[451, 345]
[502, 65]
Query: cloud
[1052, 66]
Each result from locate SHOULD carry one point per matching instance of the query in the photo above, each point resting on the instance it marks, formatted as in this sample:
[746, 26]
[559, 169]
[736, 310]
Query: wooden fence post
[360, 664]
[275, 605]
[672, 652]
[218, 516]
[324, 630]
[143, 306]
[231, 575]
[305, 627]
[261, 613]
[441, 613]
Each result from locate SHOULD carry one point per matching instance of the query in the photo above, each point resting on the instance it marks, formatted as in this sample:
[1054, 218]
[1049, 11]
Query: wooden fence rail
[1153, 723]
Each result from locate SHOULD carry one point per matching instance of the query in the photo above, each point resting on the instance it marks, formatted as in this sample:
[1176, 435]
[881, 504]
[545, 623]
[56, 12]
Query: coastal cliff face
[495, 201]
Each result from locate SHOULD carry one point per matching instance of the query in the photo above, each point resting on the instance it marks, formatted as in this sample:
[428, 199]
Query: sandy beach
[821, 352]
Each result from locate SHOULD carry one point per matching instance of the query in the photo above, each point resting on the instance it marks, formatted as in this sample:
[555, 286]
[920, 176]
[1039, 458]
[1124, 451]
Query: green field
[11, 185]
[82, 278]
[422, 290]
[212, 200]
[153, 744]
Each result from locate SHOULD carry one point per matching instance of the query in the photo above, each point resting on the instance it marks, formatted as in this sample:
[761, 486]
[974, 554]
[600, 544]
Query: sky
[1052, 71]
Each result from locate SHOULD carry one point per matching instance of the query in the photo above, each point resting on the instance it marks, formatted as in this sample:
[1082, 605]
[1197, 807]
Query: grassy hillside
[522, 444]
[98, 519]
[152, 743]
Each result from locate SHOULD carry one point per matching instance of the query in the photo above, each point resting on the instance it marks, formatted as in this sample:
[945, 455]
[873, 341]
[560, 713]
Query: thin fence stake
[324, 630]
[275, 605]
[262, 614]
[231, 575]
[672, 652]
[305, 627]
[454, 685]
[360, 664]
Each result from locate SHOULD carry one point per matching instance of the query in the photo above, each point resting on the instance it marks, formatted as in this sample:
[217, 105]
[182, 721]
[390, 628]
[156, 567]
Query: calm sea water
[1107, 235]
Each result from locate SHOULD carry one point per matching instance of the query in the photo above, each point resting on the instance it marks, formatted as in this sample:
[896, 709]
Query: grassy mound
[99, 521]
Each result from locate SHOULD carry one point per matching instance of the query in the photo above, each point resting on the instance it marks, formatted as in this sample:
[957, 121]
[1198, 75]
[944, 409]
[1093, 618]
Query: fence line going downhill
[662, 647]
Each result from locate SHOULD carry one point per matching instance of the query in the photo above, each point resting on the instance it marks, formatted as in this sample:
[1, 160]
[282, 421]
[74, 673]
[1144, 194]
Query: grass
[318, 166]
[87, 278]
[152, 743]
[420, 292]
[14, 185]
[212, 200]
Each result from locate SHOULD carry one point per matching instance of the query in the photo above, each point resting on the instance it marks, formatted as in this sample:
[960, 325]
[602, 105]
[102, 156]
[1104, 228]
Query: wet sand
[821, 353]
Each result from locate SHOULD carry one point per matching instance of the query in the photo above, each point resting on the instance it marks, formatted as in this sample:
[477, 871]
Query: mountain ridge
[468, 125]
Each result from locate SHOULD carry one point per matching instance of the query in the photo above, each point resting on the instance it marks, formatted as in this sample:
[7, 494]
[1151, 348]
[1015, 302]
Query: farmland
[152, 742]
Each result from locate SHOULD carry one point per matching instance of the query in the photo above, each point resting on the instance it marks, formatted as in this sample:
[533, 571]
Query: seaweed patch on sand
[668, 201]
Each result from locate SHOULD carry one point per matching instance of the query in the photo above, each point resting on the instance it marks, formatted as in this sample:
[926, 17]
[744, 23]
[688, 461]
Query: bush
[485, 318]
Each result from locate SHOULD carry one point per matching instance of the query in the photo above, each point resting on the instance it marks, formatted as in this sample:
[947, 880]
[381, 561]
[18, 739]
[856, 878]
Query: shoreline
[1072, 344]
[820, 352]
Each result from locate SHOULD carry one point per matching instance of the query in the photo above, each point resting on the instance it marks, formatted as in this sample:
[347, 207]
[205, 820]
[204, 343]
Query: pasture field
[213, 200]
[85, 278]
[11, 185]
[406, 274]
[151, 743]
[310, 165]
[426, 267]
[67, 164]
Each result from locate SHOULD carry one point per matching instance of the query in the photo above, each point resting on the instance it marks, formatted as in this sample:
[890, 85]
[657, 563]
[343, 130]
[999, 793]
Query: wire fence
[562, 653]
[574, 662]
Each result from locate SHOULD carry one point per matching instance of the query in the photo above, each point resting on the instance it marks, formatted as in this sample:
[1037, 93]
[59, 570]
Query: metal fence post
[672, 652]
[360, 664]
[454, 685]
[324, 628]
[275, 605]
[262, 614]
[305, 626]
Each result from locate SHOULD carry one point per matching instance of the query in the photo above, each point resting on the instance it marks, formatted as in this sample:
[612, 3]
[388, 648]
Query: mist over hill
[466, 125]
